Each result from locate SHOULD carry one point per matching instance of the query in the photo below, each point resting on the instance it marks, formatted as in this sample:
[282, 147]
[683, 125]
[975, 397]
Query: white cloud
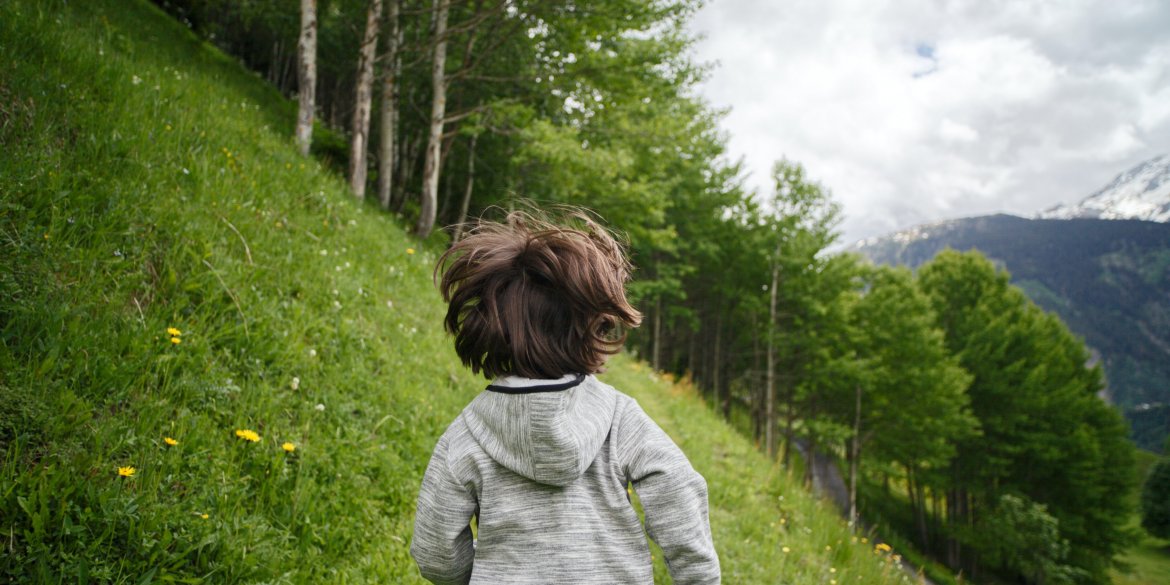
[918, 110]
[952, 132]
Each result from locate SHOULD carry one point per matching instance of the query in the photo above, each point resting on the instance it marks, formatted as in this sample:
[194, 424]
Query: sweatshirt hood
[548, 433]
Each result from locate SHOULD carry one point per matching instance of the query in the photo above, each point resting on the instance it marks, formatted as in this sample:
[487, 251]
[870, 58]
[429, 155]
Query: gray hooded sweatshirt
[545, 470]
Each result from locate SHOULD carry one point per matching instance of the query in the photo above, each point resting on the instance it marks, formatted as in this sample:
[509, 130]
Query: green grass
[150, 182]
[1148, 559]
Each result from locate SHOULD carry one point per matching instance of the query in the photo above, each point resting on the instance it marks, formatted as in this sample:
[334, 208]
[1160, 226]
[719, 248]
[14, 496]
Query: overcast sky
[915, 111]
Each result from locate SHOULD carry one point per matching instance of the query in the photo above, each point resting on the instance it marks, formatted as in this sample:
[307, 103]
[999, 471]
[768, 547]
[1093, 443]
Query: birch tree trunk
[388, 134]
[724, 401]
[430, 184]
[854, 456]
[657, 353]
[360, 139]
[770, 396]
[466, 192]
[306, 75]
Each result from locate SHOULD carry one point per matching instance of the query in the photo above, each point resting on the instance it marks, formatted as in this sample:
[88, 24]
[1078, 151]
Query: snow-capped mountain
[1142, 192]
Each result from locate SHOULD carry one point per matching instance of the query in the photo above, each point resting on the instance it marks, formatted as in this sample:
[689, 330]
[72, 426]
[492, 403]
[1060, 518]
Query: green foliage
[1045, 434]
[1155, 503]
[1107, 279]
[1024, 538]
[915, 406]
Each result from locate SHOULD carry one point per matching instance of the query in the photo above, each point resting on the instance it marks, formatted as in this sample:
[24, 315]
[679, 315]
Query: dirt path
[828, 483]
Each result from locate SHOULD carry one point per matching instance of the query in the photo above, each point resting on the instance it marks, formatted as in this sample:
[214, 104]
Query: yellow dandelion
[881, 547]
[410, 250]
[289, 447]
[173, 332]
[864, 540]
[176, 340]
[786, 550]
[832, 569]
[828, 547]
[126, 471]
[248, 435]
[170, 441]
[204, 516]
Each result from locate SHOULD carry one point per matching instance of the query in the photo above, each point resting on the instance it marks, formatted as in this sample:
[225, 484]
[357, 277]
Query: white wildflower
[320, 407]
[295, 384]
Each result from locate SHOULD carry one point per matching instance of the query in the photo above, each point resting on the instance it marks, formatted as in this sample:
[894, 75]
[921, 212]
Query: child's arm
[674, 498]
[442, 544]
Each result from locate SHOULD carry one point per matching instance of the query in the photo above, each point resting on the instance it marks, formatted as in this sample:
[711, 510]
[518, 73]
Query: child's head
[530, 298]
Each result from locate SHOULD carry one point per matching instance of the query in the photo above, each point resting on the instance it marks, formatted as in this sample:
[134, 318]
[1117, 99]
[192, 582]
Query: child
[544, 457]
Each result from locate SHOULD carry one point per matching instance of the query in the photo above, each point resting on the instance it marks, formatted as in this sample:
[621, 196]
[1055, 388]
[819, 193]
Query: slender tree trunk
[855, 457]
[756, 395]
[789, 422]
[448, 188]
[466, 203]
[657, 353]
[430, 187]
[693, 366]
[388, 133]
[408, 163]
[923, 527]
[770, 397]
[306, 75]
[363, 98]
[723, 401]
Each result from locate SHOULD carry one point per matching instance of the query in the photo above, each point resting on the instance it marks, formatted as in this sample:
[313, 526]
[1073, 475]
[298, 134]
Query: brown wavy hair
[533, 298]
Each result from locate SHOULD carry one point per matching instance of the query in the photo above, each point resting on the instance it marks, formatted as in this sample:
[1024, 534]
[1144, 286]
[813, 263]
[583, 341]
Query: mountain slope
[1109, 280]
[181, 296]
[1142, 192]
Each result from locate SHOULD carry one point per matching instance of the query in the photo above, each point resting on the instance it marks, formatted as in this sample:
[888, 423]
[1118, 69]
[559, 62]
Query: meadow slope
[181, 294]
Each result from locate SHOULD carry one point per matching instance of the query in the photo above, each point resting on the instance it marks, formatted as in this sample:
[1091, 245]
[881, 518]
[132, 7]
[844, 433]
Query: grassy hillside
[217, 367]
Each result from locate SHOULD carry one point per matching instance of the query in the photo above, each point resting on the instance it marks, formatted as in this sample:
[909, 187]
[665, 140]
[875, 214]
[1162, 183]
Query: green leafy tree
[1024, 537]
[908, 404]
[1045, 433]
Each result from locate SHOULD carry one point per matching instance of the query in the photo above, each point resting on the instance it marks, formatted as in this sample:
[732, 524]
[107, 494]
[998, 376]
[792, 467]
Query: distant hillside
[1109, 280]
